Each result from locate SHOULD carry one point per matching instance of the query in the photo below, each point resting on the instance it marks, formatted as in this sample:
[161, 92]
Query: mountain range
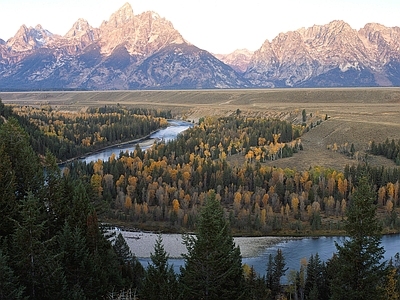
[145, 51]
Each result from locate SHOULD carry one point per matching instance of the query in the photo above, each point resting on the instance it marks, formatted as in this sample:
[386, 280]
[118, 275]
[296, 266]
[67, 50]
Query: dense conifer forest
[72, 134]
[53, 243]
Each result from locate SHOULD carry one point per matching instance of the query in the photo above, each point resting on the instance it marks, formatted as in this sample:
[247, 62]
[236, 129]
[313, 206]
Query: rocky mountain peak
[326, 33]
[374, 27]
[374, 31]
[79, 28]
[27, 39]
[121, 17]
[238, 59]
[78, 37]
[142, 35]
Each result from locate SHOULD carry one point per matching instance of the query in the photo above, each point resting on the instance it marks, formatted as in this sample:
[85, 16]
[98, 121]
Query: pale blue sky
[219, 26]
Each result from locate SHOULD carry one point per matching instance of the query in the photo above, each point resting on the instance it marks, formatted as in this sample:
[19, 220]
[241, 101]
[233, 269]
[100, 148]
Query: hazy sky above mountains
[219, 26]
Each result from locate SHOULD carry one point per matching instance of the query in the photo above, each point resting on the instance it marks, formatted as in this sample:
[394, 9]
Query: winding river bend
[169, 133]
[255, 251]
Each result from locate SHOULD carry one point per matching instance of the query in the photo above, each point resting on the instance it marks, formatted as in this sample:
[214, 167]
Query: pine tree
[160, 281]
[131, 270]
[8, 205]
[256, 289]
[358, 266]
[122, 250]
[34, 262]
[24, 160]
[213, 264]
[275, 270]
[74, 257]
[315, 285]
[52, 194]
[10, 288]
[104, 273]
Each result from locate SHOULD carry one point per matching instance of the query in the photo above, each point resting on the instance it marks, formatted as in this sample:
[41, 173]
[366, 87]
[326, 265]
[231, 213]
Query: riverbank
[255, 251]
[145, 141]
[142, 243]
[162, 134]
[167, 228]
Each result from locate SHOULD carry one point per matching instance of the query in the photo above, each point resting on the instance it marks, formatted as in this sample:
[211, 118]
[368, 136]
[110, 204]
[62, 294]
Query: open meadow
[355, 115]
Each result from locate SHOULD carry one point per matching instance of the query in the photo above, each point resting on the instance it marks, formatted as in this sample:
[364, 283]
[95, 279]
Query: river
[169, 133]
[255, 251]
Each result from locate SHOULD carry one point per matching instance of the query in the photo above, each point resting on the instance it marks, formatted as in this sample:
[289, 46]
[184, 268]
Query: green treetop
[358, 268]
[160, 281]
[213, 264]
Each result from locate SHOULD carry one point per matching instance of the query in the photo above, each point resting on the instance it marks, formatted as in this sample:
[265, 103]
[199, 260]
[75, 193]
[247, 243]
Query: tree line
[72, 134]
[388, 149]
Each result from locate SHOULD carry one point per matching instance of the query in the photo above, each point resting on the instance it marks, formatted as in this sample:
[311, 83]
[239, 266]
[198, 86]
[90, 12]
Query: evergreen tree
[359, 270]
[275, 270]
[34, 262]
[122, 250]
[5, 112]
[160, 281]
[8, 205]
[256, 289]
[315, 285]
[104, 273]
[304, 115]
[23, 159]
[213, 264]
[10, 287]
[131, 270]
[74, 257]
[52, 194]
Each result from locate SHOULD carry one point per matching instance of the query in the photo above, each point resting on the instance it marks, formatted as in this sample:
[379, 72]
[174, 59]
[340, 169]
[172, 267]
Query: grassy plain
[356, 115]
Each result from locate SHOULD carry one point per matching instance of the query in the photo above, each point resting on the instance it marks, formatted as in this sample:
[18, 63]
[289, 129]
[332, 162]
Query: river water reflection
[166, 134]
[293, 250]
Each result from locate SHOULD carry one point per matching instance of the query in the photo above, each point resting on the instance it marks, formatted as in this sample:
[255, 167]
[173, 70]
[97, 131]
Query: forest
[72, 134]
[164, 187]
[53, 242]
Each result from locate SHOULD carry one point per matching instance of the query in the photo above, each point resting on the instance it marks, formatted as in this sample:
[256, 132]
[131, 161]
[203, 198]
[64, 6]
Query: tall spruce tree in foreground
[160, 281]
[131, 270]
[315, 284]
[359, 272]
[275, 270]
[213, 264]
